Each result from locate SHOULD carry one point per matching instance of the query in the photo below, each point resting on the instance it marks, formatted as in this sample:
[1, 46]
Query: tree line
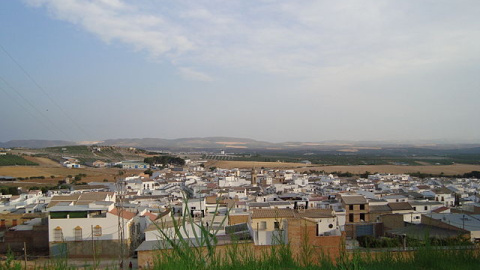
[165, 160]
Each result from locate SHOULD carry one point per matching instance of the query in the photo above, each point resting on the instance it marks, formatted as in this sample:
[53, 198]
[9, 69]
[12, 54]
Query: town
[149, 204]
[239, 135]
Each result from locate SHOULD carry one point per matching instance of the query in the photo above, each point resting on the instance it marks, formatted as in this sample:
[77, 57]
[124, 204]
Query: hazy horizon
[267, 70]
[326, 142]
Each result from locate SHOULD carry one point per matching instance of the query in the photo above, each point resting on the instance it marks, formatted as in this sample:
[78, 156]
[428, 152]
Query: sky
[267, 70]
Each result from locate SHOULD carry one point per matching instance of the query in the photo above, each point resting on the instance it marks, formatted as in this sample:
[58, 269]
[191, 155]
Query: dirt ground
[454, 169]
[58, 173]
[49, 168]
[43, 161]
[250, 164]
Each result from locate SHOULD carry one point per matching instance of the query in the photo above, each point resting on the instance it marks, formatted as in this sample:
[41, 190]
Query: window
[330, 226]
[362, 217]
[276, 225]
[57, 234]
[426, 208]
[362, 206]
[415, 208]
[262, 225]
[55, 215]
[351, 207]
[97, 231]
[78, 214]
[78, 233]
[350, 217]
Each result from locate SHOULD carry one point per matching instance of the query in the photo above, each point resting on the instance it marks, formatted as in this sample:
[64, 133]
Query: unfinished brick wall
[36, 240]
[438, 223]
[237, 219]
[303, 240]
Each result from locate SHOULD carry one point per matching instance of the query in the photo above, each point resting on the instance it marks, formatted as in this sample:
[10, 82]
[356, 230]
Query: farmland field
[454, 169]
[59, 173]
[43, 161]
[9, 160]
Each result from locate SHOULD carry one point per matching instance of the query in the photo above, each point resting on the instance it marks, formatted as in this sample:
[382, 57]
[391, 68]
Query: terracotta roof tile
[354, 199]
[151, 216]
[440, 210]
[273, 213]
[315, 213]
[400, 206]
[125, 214]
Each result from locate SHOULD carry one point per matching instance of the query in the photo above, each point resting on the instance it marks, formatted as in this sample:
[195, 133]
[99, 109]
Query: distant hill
[232, 144]
[35, 143]
[190, 143]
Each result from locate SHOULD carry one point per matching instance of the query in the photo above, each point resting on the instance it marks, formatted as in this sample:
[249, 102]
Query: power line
[35, 108]
[29, 112]
[45, 92]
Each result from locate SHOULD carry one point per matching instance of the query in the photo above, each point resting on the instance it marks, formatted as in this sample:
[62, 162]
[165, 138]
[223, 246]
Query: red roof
[125, 214]
[440, 210]
[151, 216]
[211, 185]
[318, 198]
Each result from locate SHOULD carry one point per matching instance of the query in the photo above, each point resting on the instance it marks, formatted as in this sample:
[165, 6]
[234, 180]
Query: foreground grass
[282, 258]
[431, 260]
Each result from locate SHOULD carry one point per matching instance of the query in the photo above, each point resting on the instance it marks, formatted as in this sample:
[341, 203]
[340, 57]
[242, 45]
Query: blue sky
[267, 70]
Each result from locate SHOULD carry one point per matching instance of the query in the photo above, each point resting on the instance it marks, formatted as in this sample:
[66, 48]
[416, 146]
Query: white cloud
[114, 20]
[191, 74]
[311, 40]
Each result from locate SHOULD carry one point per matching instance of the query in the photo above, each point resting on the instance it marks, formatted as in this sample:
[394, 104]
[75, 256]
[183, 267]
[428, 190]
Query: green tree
[365, 174]
[148, 171]
[165, 160]
[13, 190]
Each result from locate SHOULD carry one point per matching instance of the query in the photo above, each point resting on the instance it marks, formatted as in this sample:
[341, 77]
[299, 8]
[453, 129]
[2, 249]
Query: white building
[77, 220]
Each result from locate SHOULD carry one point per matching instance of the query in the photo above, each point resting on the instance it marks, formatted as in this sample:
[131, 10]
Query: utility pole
[93, 251]
[25, 252]
[121, 224]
